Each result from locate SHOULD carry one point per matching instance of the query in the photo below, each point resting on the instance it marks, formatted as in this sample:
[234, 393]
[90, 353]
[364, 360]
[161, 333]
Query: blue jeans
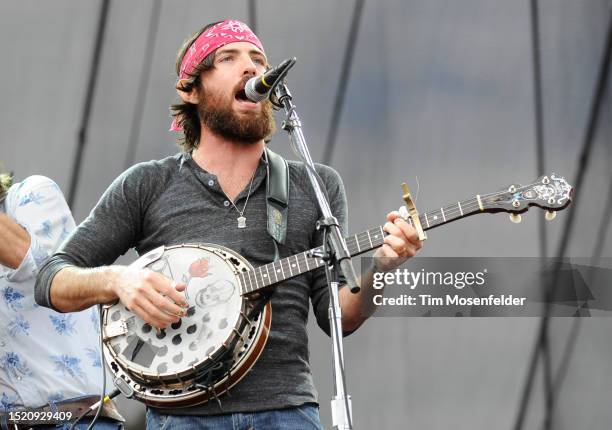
[305, 417]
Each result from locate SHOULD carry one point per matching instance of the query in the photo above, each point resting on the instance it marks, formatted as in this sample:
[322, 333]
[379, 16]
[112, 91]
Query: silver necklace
[241, 218]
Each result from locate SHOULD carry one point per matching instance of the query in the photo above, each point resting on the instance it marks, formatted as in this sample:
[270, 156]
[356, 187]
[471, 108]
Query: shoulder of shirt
[158, 168]
[328, 174]
[33, 183]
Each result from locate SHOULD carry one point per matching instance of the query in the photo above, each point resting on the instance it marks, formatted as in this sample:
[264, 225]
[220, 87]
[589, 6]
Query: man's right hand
[156, 299]
[151, 296]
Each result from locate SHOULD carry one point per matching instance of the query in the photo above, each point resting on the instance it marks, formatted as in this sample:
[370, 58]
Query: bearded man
[214, 191]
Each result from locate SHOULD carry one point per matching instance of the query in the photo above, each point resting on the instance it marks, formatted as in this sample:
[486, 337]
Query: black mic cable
[95, 406]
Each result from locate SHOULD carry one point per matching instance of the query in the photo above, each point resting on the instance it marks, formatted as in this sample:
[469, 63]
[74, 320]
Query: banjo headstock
[549, 192]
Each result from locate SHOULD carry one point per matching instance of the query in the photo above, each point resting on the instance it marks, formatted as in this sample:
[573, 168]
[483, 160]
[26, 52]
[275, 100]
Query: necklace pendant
[241, 222]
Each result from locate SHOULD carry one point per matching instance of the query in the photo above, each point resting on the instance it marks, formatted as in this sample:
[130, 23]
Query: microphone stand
[334, 252]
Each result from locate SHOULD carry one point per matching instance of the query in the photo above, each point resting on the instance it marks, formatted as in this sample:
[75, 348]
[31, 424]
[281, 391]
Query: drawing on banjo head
[227, 323]
[215, 294]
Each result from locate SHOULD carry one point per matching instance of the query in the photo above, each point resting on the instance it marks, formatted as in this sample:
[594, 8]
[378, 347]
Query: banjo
[228, 320]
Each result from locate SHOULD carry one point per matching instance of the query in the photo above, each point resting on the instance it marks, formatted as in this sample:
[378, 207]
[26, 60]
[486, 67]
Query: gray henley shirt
[174, 201]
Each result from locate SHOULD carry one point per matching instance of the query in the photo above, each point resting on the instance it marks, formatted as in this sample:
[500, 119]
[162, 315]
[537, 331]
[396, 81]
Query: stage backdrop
[440, 94]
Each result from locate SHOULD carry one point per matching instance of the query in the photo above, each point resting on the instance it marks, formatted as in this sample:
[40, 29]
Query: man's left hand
[401, 243]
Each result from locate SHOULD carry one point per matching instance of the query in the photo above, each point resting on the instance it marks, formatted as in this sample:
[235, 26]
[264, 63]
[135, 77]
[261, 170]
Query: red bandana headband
[221, 34]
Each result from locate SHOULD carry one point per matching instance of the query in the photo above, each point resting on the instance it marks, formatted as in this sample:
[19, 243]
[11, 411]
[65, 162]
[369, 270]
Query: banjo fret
[243, 279]
[259, 274]
[252, 274]
[287, 266]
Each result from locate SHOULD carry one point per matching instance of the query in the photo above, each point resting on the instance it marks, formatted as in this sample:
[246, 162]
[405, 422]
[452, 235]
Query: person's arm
[142, 291]
[15, 242]
[80, 274]
[401, 243]
[37, 219]
[319, 293]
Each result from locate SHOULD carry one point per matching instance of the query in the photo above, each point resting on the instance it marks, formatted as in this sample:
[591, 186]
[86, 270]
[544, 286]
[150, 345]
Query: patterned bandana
[221, 34]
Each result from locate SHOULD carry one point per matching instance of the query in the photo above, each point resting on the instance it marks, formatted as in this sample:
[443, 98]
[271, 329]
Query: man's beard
[219, 117]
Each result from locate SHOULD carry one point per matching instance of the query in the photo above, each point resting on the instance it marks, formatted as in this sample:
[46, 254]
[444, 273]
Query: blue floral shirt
[45, 356]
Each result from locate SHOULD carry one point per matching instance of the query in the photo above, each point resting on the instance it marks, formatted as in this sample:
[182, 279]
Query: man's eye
[259, 61]
[225, 59]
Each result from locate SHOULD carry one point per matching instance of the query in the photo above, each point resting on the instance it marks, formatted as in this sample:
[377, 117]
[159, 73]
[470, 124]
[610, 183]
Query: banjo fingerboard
[548, 192]
[286, 268]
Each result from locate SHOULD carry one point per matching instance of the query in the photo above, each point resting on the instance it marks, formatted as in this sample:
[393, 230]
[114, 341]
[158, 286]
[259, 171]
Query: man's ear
[192, 96]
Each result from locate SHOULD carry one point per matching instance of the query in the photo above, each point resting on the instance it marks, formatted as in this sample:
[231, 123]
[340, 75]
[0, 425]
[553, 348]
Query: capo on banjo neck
[413, 213]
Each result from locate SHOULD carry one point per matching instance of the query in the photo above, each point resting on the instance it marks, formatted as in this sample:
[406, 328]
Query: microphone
[258, 88]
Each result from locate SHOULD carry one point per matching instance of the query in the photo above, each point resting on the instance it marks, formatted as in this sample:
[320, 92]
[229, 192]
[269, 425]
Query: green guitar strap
[277, 198]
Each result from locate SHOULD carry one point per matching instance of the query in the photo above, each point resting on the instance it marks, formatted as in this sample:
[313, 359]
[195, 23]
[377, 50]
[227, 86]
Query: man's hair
[186, 114]
[6, 180]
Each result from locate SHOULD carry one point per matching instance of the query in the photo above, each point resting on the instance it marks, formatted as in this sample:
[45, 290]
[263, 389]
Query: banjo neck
[360, 243]
[549, 192]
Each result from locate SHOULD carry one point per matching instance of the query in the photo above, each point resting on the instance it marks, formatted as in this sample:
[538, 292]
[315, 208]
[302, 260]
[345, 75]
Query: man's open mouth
[241, 95]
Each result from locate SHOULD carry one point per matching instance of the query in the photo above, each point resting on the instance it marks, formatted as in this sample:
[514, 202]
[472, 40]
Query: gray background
[440, 90]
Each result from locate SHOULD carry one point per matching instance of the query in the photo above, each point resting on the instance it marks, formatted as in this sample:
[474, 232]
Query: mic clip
[277, 105]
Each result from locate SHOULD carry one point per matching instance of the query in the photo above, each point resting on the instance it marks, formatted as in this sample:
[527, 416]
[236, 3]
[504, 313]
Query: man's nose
[249, 67]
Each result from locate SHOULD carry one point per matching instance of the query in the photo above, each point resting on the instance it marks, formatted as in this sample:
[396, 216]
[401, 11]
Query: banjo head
[163, 367]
